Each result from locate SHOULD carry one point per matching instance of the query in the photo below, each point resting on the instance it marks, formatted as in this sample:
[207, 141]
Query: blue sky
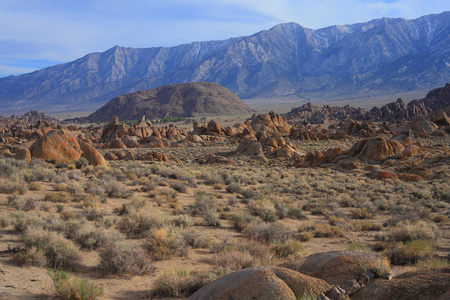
[38, 33]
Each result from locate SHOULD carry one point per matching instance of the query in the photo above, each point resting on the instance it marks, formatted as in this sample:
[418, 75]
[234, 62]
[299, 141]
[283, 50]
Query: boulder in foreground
[262, 283]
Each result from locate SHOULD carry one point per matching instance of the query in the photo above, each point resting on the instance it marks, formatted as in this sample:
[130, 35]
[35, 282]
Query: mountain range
[381, 56]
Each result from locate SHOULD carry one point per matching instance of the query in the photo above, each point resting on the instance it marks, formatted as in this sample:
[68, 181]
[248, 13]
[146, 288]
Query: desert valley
[174, 187]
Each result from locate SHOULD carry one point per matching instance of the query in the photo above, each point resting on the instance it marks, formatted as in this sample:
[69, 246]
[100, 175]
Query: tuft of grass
[72, 288]
[180, 283]
[433, 263]
[233, 260]
[287, 249]
[358, 246]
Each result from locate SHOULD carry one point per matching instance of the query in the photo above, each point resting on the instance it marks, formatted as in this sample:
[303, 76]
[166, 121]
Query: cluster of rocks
[435, 100]
[127, 155]
[265, 135]
[372, 152]
[33, 117]
[118, 135]
[330, 275]
[59, 146]
[13, 131]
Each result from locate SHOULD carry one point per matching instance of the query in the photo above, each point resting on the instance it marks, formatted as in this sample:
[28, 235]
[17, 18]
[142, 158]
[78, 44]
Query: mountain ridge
[383, 55]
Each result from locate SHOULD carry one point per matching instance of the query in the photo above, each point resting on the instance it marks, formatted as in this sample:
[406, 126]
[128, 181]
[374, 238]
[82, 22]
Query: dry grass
[139, 218]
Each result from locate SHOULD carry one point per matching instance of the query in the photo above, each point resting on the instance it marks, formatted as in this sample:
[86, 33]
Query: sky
[35, 34]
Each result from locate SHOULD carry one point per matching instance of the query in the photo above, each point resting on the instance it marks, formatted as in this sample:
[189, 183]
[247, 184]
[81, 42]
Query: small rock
[322, 297]
[336, 292]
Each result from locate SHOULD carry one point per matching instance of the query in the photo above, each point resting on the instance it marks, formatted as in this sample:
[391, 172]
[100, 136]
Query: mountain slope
[174, 100]
[382, 55]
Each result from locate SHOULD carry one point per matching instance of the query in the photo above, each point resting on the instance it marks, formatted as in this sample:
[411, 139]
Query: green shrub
[241, 221]
[234, 188]
[304, 236]
[162, 245]
[30, 257]
[118, 258]
[358, 246]
[137, 224]
[440, 219]
[195, 239]
[178, 186]
[71, 288]
[327, 231]
[206, 206]
[361, 213]
[410, 252]
[267, 233]
[60, 252]
[57, 197]
[405, 231]
[287, 249]
[263, 209]
[366, 226]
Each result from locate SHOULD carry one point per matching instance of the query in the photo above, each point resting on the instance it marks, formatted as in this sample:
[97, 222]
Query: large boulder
[440, 118]
[114, 128]
[380, 174]
[92, 155]
[57, 146]
[23, 154]
[249, 147]
[262, 283]
[141, 129]
[335, 267]
[423, 284]
[423, 126]
[270, 123]
[314, 159]
[214, 127]
[375, 148]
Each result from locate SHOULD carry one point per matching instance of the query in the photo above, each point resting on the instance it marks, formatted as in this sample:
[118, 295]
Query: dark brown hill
[174, 100]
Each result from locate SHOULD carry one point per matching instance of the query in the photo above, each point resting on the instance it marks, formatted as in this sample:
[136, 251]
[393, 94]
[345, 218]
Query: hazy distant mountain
[173, 100]
[382, 55]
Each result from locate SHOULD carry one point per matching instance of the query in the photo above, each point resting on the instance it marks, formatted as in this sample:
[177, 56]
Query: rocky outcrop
[92, 155]
[128, 155]
[436, 99]
[271, 123]
[23, 154]
[262, 283]
[57, 146]
[174, 100]
[375, 149]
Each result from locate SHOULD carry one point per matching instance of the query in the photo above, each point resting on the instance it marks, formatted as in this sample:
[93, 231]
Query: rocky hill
[379, 57]
[435, 100]
[175, 100]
